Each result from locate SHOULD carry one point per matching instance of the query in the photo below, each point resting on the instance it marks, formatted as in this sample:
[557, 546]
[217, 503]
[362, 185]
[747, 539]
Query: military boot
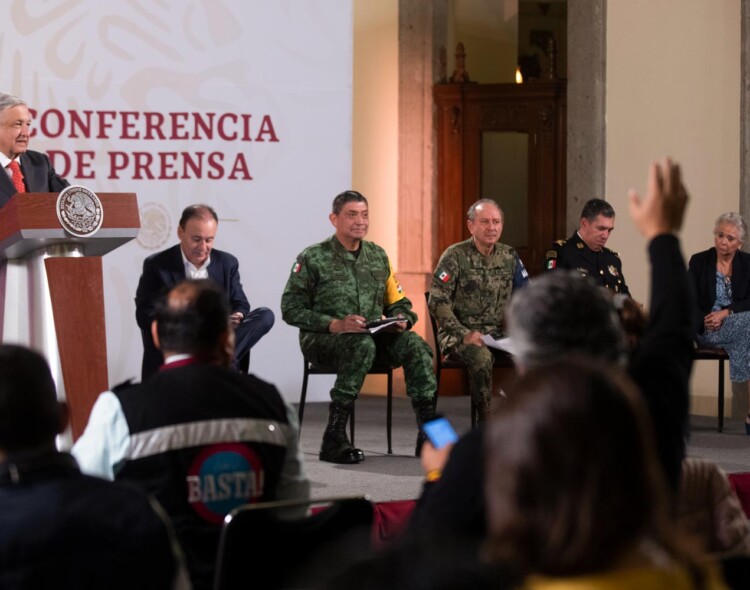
[336, 447]
[424, 410]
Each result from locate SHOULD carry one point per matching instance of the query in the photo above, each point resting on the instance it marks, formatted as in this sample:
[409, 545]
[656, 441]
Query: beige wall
[375, 117]
[673, 88]
[375, 126]
[489, 31]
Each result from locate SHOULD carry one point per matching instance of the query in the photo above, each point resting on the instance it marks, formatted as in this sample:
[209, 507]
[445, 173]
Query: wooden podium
[52, 295]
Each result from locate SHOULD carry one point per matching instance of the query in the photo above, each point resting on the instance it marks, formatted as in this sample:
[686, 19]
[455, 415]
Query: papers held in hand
[377, 325]
[505, 344]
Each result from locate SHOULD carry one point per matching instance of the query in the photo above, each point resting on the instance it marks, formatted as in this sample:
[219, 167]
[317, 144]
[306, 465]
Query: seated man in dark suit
[25, 170]
[202, 438]
[195, 258]
[60, 528]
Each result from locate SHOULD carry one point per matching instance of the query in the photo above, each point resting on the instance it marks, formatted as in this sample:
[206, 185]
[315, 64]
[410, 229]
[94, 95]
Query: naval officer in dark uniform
[585, 250]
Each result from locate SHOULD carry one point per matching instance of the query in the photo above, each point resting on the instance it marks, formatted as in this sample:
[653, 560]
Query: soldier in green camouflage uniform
[335, 288]
[471, 287]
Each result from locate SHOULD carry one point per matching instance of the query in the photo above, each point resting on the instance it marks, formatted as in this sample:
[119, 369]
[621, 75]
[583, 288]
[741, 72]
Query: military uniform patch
[551, 264]
[297, 266]
[579, 245]
[612, 270]
[444, 277]
[551, 254]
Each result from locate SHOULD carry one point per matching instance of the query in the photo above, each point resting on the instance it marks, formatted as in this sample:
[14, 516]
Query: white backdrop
[277, 77]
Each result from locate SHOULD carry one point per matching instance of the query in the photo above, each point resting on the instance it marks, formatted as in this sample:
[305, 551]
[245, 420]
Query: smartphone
[440, 432]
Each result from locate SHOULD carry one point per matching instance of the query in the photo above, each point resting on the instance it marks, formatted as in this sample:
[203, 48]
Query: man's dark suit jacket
[38, 174]
[702, 270]
[161, 272]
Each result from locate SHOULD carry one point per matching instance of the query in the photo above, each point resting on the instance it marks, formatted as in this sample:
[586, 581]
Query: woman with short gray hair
[721, 276]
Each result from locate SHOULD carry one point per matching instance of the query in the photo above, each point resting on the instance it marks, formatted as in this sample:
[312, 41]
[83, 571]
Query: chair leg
[438, 370]
[721, 394]
[303, 397]
[389, 410]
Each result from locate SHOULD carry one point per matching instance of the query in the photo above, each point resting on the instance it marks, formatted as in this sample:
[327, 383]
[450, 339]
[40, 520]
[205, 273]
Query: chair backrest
[433, 323]
[310, 544]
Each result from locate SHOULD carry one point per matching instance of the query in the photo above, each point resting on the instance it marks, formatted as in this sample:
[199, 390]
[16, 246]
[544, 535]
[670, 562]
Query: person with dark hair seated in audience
[561, 313]
[60, 528]
[204, 439]
[721, 278]
[575, 501]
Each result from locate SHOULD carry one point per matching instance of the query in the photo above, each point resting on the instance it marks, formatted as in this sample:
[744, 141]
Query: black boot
[336, 447]
[424, 409]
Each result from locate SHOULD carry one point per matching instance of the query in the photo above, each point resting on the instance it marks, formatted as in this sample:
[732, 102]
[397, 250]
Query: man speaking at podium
[26, 171]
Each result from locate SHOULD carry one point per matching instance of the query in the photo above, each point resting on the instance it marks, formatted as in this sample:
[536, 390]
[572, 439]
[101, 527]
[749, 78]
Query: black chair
[377, 369]
[715, 354]
[276, 545]
[501, 360]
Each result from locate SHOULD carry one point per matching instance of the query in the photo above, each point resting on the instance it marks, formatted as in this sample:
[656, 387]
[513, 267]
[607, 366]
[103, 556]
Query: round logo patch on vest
[80, 211]
[223, 477]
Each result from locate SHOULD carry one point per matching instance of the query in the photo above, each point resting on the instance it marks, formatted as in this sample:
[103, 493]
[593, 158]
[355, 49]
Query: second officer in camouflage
[335, 288]
[471, 288]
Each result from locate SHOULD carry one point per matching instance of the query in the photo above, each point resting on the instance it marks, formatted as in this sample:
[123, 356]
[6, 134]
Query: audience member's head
[30, 415]
[577, 486]
[193, 318]
[561, 312]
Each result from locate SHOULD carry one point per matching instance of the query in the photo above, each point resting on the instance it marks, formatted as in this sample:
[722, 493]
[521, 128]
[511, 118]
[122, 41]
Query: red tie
[17, 176]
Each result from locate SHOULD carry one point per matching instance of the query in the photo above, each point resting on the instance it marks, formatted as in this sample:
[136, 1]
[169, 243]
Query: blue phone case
[440, 432]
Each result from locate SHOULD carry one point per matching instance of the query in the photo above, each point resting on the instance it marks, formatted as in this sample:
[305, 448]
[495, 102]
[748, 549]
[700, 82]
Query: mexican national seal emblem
[80, 211]
[155, 226]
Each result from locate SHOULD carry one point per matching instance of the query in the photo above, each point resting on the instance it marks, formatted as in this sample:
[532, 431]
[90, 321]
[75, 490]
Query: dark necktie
[17, 176]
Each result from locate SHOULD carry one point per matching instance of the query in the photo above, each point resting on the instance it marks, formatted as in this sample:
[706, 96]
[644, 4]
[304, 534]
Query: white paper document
[502, 343]
[378, 325]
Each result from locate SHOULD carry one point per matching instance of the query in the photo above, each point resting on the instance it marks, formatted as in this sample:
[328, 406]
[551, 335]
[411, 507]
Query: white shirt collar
[192, 271]
[5, 160]
[177, 357]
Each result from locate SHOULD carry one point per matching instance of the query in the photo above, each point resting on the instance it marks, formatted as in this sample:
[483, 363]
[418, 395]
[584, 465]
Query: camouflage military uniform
[328, 282]
[604, 266]
[469, 293]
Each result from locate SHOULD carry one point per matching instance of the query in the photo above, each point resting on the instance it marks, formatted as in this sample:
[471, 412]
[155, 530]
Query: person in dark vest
[60, 528]
[199, 436]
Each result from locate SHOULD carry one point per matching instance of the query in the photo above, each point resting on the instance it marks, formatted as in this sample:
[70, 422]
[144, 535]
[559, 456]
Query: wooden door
[505, 142]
